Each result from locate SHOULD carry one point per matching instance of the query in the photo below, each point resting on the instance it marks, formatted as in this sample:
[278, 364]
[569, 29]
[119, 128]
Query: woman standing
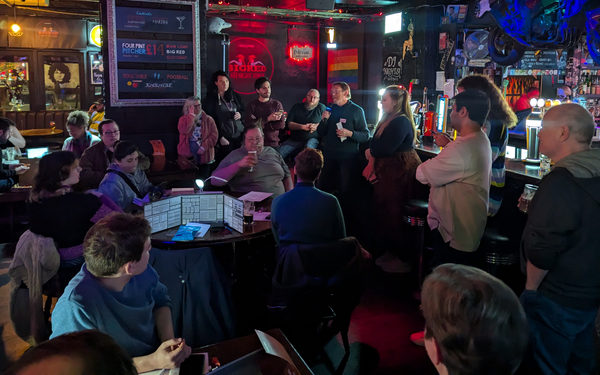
[392, 166]
[197, 136]
[226, 107]
[61, 214]
[80, 138]
[500, 119]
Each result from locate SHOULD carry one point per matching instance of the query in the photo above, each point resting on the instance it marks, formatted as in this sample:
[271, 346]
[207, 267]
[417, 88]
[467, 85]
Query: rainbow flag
[342, 65]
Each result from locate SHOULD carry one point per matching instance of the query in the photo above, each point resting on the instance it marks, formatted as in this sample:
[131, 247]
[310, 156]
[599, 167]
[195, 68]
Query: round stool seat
[416, 208]
[497, 249]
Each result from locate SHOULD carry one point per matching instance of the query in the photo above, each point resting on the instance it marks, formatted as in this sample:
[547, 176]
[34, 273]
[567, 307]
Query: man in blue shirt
[117, 293]
[305, 214]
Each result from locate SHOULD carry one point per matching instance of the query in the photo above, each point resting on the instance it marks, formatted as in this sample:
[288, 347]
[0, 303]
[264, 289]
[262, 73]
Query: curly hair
[78, 118]
[63, 68]
[53, 170]
[500, 110]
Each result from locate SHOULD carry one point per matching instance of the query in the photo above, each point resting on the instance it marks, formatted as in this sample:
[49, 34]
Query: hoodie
[562, 234]
[118, 191]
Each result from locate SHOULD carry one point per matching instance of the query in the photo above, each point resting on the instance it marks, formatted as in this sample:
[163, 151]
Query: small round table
[40, 132]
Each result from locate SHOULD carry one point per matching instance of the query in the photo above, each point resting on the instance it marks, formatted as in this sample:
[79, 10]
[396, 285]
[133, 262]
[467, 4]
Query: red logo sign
[47, 29]
[250, 59]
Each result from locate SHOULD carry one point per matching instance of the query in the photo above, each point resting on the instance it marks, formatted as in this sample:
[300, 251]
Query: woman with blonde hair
[198, 136]
[392, 166]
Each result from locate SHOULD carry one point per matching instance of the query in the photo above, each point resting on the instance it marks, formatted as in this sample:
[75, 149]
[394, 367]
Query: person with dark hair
[559, 247]
[522, 103]
[225, 106]
[305, 214]
[52, 193]
[474, 324]
[96, 159]
[118, 293]
[96, 113]
[254, 167]
[59, 73]
[124, 181]
[266, 111]
[7, 174]
[392, 166]
[80, 138]
[499, 121]
[86, 352]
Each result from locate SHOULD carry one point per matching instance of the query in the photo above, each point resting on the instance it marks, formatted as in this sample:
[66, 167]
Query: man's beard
[310, 107]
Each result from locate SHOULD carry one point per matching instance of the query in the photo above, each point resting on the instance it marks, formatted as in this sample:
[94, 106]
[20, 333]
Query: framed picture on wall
[154, 52]
[62, 82]
[96, 69]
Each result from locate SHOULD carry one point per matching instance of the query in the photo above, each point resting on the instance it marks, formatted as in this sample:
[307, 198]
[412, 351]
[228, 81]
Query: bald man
[303, 120]
[561, 247]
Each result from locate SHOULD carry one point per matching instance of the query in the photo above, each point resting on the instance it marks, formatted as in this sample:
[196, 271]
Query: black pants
[444, 253]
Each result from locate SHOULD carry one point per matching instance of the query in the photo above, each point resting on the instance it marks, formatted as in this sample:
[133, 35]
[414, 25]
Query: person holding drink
[266, 110]
[254, 167]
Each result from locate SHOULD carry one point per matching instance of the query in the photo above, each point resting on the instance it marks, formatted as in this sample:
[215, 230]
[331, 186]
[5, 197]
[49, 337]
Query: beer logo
[250, 59]
[47, 29]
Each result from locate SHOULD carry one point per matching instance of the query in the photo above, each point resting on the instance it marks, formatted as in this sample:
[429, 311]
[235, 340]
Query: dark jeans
[444, 253]
[6, 184]
[292, 148]
[561, 340]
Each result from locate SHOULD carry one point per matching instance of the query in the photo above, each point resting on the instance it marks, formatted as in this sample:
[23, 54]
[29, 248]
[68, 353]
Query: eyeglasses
[336, 91]
[197, 105]
[112, 133]
[253, 140]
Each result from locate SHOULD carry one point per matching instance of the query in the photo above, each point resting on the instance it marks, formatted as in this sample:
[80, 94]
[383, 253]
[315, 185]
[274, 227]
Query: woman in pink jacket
[198, 136]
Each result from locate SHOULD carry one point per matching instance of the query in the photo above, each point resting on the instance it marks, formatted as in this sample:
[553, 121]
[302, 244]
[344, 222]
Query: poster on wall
[249, 59]
[61, 81]
[392, 69]
[456, 13]
[97, 69]
[148, 33]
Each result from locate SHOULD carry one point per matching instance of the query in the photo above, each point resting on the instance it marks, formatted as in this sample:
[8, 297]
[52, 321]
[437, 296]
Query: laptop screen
[33, 153]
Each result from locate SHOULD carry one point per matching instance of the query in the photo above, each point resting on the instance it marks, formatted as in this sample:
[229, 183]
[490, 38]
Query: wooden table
[228, 351]
[40, 132]
[11, 198]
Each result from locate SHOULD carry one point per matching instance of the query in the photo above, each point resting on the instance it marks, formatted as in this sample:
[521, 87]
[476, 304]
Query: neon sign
[96, 36]
[301, 53]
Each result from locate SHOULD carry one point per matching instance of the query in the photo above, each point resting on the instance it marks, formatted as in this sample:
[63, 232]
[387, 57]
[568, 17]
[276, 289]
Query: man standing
[267, 111]
[522, 103]
[96, 113]
[560, 245]
[303, 120]
[305, 214]
[7, 173]
[117, 293]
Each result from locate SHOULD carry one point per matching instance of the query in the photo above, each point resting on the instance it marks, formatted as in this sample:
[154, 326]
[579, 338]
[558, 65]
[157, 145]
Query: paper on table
[274, 347]
[255, 196]
[203, 228]
[261, 216]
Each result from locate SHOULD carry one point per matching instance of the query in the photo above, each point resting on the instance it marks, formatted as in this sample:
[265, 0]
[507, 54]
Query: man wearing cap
[96, 113]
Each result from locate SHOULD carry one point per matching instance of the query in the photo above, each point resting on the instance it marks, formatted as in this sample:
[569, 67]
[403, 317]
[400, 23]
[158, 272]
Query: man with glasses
[254, 167]
[303, 120]
[266, 111]
[96, 159]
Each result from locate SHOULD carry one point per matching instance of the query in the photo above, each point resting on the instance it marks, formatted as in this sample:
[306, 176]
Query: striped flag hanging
[342, 65]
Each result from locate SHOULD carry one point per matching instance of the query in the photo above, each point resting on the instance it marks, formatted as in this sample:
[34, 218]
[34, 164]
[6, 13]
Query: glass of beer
[52, 126]
[527, 196]
[254, 156]
[248, 212]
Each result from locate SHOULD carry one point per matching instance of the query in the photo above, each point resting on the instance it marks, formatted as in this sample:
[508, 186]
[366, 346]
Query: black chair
[497, 251]
[415, 216]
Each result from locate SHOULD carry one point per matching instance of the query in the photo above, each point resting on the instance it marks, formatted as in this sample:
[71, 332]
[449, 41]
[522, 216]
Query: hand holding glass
[254, 156]
[526, 197]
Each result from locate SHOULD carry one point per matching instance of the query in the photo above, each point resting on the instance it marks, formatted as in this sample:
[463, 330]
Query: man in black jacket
[560, 245]
[7, 173]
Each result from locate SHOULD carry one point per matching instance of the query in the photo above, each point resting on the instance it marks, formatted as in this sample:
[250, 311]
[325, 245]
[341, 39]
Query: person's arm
[446, 167]
[228, 169]
[391, 138]
[6, 184]
[69, 316]
[145, 185]
[535, 276]
[288, 184]
[87, 175]
[277, 124]
[185, 125]
[16, 138]
[164, 323]
[170, 354]
[360, 133]
[291, 124]
[498, 138]
[65, 146]
[114, 191]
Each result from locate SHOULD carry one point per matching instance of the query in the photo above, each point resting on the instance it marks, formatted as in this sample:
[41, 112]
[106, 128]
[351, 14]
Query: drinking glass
[544, 164]
[254, 156]
[527, 196]
[248, 212]
[52, 126]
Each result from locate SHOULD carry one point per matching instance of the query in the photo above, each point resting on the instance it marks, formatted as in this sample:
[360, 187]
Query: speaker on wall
[320, 4]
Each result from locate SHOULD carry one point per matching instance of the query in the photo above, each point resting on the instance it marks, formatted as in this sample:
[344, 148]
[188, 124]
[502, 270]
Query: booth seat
[38, 120]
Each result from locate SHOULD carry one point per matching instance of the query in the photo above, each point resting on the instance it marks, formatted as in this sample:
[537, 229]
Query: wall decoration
[250, 59]
[301, 53]
[392, 69]
[61, 80]
[97, 69]
[342, 65]
[456, 13]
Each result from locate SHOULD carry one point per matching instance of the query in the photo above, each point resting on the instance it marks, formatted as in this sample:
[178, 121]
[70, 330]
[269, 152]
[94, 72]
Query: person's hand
[325, 115]
[313, 127]
[306, 127]
[523, 204]
[223, 141]
[170, 354]
[247, 162]
[191, 111]
[201, 150]
[343, 132]
[167, 192]
[237, 116]
[368, 154]
[92, 108]
[368, 172]
[276, 116]
[441, 139]
[19, 168]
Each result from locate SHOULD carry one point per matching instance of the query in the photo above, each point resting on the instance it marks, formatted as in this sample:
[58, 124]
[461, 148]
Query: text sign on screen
[154, 20]
[159, 81]
[154, 51]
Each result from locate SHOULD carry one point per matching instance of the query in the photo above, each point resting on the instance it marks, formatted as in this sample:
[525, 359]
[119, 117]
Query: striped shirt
[497, 132]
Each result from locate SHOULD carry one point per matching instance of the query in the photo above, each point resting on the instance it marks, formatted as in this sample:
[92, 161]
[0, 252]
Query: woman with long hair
[225, 106]
[500, 119]
[392, 166]
[58, 212]
[197, 136]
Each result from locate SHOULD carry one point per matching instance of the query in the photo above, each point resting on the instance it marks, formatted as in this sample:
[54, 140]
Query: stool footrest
[502, 259]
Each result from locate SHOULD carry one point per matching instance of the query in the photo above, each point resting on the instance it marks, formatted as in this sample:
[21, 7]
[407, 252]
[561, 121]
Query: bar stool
[497, 251]
[415, 215]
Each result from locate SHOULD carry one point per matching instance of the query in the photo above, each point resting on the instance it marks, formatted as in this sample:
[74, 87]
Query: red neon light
[309, 51]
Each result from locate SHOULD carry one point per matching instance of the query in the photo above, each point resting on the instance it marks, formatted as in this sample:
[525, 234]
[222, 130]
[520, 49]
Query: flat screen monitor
[34, 153]
[393, 23]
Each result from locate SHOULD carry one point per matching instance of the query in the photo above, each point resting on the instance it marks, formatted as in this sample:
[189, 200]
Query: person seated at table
[15, 140]
[86, 352]
[305, 214]
[80, 138]
[124, 181]
[118, 293]
[265, 171]
[96, 159]
[8, 173]
[474, 323]
[58, 212]
[197, 136]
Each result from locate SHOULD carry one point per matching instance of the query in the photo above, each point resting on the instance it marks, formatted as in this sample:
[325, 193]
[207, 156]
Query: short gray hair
[78, 118]
[579, 121]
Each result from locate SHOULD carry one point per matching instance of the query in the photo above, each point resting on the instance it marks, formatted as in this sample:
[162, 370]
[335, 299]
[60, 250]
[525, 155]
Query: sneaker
[396, 266]
[418, 338]
[387, 257]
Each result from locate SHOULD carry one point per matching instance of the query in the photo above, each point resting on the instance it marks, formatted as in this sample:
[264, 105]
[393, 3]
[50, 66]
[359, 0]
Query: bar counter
[529, 174]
